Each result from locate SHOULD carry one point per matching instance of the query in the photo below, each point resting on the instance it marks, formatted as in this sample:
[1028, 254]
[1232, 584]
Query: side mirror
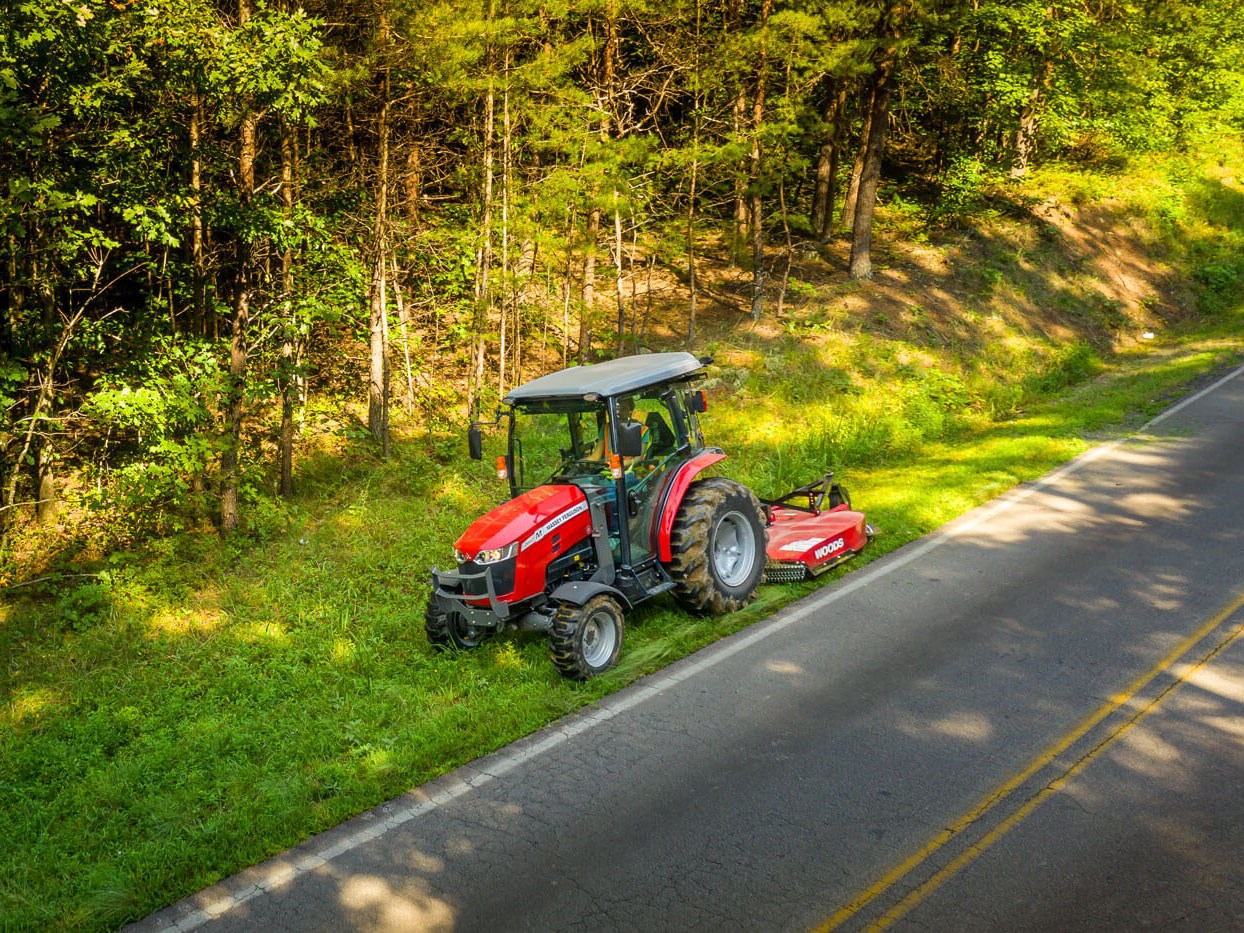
[699, 401]
[475, 443]
[631, 439]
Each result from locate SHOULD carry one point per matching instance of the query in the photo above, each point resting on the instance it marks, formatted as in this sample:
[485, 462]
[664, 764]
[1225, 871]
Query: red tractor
[608, 508]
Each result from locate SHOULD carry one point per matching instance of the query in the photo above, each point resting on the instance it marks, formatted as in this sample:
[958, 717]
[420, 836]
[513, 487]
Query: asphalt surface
[1032, 719]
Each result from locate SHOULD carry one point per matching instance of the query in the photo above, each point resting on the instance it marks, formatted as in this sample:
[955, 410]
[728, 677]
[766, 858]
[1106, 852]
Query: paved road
[1033, 719]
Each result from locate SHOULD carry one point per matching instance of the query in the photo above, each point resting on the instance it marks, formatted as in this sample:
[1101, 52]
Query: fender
[673, 499]
[578, 592]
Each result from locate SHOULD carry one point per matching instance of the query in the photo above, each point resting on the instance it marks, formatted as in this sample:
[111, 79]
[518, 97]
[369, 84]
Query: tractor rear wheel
[718, 545]
[586, 640]
[451, 631]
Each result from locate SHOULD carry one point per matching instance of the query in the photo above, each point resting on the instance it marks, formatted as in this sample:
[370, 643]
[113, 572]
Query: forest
[218, 215]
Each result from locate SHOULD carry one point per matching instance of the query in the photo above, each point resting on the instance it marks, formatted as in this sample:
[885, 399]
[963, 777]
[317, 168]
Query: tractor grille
[476, 584]
[779, 572]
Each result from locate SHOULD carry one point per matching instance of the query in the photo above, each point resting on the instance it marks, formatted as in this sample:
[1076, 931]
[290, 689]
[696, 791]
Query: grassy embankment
[197, 706]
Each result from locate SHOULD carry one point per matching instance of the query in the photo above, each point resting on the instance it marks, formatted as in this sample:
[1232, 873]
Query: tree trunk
[505, 349]
[741, 214]
[589, 284]
[31, 440]
[1026, 134]
[790, 251]
[618, 277]
[693, 284]
[45, 506]
[377, 396]
[606, 97]
[385, 393]
[568, 286]
[413, 180]
[198, 257]
[292, 331]
[756, 203]
[886, 62]
[857, 169]
[483, 276]
[238, 339]
[356, 164]
[758, 258]
[403, 319]
[15, 298]
[870, 177]
[825, 192]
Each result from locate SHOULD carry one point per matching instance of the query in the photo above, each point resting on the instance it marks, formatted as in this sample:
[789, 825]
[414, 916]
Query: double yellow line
[1006, 789]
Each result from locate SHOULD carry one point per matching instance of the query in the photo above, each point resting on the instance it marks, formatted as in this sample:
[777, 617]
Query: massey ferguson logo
[556, 523]
[826, 549]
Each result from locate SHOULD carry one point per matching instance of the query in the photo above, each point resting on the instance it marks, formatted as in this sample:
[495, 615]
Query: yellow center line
[1008, 787]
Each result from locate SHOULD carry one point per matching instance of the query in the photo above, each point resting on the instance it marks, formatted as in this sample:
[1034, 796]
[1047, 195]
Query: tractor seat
[664, 441]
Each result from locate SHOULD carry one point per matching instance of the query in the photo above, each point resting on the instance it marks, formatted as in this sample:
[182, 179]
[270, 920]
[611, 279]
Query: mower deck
[805, 539]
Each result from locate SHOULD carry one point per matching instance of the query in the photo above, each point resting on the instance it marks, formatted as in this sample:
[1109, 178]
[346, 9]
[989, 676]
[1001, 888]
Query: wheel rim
[465, 634]
[734, 549]
[600, 637]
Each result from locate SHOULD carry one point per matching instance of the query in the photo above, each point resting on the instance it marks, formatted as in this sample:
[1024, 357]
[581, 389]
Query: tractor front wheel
[586, 640]
[718, 547]
[450, 631]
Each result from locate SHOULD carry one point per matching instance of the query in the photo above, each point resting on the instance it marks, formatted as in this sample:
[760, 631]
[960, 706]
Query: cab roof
[614, 377]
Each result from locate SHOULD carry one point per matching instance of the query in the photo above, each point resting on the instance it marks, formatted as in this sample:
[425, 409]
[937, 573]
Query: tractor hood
[525, 519]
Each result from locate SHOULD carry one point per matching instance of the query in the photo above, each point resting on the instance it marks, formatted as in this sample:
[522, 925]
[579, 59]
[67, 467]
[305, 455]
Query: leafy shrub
[84, 606]
[1221, 284]
[1001, 400]
[12, 377]
[1219, 278]
[925, 418]
[160, 427]
[1068, 366]
[962, 193]
[946, 389]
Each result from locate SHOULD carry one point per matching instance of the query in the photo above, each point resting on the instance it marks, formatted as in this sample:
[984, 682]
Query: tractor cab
[621, 450]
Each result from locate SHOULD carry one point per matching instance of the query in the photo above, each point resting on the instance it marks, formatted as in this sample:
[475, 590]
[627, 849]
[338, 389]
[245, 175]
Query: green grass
[196, 706]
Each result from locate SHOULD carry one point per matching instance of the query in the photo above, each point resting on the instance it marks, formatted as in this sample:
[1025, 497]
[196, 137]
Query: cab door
[646, 477]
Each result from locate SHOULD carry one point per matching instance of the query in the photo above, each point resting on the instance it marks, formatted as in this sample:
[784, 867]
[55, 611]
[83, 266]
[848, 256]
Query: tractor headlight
[494, 555]
[460, 557]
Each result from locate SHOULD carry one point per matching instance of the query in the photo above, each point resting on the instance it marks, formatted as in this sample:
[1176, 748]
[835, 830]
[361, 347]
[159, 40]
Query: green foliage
[1221, 280]
[119, 131]
[964, 187]
[170, 398]
[160, 417]
[12, 376]
[1067, 366]
[1091, 82]
[83, 606]
[273, 62]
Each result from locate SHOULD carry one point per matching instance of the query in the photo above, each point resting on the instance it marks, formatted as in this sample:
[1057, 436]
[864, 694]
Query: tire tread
[694, 585]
